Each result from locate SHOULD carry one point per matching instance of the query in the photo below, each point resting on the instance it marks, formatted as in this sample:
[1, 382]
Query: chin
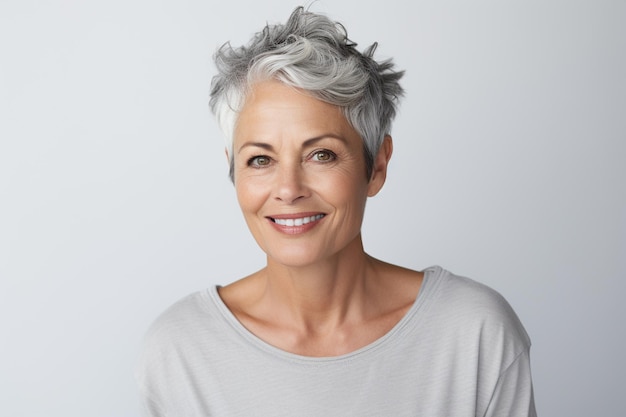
[294, 257]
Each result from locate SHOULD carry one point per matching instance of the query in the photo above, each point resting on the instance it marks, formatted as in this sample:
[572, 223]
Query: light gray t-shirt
[460, 351]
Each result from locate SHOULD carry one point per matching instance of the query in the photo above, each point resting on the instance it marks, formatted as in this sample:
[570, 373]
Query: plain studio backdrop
[509, 167]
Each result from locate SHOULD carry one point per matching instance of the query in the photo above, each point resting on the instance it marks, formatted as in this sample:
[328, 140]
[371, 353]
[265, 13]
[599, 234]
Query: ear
[379, 170]
[227, 156]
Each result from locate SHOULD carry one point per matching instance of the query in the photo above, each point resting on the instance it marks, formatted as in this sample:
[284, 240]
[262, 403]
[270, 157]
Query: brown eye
[259, 161]
[323, 156]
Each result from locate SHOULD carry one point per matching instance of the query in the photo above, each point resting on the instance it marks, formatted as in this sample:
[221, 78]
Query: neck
[324, 294]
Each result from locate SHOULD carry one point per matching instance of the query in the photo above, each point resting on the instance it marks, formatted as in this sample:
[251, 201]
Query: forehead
[274, 110]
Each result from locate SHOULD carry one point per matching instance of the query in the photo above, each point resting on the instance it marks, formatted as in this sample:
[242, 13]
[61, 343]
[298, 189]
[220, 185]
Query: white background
[509, 167]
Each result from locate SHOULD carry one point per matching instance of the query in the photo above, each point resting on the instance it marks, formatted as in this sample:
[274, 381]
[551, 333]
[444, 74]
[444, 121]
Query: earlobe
[381, 162]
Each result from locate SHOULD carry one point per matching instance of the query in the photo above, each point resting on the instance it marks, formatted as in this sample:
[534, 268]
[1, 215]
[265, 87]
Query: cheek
[348, 191]
[250, 196]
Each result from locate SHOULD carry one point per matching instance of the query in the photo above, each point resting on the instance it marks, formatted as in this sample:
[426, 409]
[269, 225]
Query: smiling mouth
[297, 221]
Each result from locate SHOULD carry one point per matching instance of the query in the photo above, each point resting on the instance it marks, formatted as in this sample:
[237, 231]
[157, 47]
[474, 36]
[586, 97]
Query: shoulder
[177, 341]
[175, 349]
[181, 316]
[188, 325]
[469, 293]
[470, 306]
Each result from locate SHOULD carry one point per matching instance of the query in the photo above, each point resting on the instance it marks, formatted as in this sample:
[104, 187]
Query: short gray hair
[312, 53]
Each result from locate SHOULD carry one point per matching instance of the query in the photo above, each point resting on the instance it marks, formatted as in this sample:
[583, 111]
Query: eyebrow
[305, 144]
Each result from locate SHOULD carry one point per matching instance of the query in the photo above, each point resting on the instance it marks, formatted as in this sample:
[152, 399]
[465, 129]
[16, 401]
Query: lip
[310, 220]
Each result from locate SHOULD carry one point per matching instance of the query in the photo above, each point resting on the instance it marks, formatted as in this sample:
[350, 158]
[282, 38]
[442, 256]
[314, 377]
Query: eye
[323, 156]
[259, 161]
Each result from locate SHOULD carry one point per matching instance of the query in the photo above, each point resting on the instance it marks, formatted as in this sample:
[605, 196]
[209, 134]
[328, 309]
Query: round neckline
[428, 286]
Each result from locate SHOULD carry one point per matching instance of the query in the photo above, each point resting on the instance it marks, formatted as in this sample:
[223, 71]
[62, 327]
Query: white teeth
[298, 222]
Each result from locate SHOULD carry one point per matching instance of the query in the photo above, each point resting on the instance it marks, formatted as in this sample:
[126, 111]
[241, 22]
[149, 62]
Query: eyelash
[331, 155]
[253, 162]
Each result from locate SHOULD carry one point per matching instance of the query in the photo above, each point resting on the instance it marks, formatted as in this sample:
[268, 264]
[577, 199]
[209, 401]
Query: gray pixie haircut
[312, 53]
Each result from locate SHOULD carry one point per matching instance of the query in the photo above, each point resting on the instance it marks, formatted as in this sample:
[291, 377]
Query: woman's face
[299, 175]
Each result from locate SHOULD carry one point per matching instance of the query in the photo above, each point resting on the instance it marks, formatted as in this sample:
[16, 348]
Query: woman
[325, 329]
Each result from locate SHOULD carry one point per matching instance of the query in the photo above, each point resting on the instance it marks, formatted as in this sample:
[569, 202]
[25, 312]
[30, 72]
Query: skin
[320, 293]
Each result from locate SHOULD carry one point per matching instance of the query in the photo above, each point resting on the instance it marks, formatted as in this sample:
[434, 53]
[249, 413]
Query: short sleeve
[513, 394]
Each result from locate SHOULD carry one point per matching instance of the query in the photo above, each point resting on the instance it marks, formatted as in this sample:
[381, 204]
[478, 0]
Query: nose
[291, 183]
